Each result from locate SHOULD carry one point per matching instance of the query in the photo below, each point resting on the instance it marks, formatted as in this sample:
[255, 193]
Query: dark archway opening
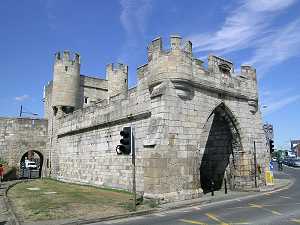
[219, 150]
[31, 164]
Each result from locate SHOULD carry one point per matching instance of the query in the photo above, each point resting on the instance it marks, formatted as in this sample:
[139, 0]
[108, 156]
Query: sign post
[255, 165]
[269, 175]
[133, 168]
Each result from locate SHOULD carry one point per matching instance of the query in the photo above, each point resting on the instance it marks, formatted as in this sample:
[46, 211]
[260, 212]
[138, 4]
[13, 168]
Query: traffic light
[125, 141]
[271, 144]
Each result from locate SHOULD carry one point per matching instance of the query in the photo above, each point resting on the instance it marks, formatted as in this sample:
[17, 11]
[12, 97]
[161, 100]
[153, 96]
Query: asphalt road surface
[282, 208]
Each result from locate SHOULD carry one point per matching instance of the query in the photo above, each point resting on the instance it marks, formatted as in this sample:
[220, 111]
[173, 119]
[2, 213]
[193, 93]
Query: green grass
[69, 201]
[2, 161]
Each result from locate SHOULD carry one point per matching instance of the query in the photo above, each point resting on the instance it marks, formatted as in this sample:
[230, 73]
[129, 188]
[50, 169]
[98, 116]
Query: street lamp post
[30, 113]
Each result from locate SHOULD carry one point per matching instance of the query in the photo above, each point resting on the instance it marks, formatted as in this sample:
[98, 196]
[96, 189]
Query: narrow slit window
[86, 100]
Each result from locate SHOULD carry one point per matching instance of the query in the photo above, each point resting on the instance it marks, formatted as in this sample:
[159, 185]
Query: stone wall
[85, 145]
[93, 88]
[20, 135]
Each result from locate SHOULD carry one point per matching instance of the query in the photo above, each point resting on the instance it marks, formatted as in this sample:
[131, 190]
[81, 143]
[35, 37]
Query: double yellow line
[214, 218]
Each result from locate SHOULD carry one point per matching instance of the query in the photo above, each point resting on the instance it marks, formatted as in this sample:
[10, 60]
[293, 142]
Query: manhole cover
[34, 189]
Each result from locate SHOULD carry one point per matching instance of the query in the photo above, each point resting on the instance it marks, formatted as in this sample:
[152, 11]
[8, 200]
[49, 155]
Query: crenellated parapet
[174, 63]
[67, 58]
[117, 77]
[178, 65]
[219, 65]
[248, 71]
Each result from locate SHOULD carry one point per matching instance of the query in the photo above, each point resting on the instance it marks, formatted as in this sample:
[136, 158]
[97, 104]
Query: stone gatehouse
[194, 124]
[24, 137]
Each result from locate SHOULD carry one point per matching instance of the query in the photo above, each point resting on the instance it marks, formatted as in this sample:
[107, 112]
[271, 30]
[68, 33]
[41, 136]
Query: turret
[154, 49]
[177, 44]
[219, 65]
[117, 76]
[66, 83]
[174, 64]
[248, 71]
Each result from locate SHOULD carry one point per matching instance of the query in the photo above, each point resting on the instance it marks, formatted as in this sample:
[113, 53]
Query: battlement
[67, 57]
[117, 77]
[217, 64]
[117, 67]
[248, 71]
[177, 44]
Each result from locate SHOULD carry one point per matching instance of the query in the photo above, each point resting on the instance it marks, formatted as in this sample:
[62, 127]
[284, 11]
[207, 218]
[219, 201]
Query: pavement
[276, 207]
[7, 216]
[220, 196]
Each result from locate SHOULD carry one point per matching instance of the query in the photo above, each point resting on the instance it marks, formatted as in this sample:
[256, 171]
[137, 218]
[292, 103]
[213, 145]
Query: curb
[202, 203]
[121, 216]
[210, 202]
[13, 218]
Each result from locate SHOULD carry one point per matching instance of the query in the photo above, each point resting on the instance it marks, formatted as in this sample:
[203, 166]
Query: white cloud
[268, 95]
[242, 28]
[281, 45]
[22, 98]
[134, 16]
[277, 105]
[49, 7]
[267, 5]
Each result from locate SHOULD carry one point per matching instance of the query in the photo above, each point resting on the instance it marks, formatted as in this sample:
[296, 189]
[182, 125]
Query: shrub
[2, 161]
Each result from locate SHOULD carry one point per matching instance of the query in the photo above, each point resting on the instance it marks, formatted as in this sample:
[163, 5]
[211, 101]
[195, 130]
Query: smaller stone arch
[221, 148]
[33, 155]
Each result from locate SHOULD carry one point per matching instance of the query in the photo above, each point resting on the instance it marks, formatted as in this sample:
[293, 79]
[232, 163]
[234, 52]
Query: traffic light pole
[255, 166]
[133, 168]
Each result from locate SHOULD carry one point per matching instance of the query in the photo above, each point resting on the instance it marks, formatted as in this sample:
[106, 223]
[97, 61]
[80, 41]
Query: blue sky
[265, 33]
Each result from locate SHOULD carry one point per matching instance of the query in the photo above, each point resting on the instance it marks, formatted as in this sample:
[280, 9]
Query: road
[282, 208]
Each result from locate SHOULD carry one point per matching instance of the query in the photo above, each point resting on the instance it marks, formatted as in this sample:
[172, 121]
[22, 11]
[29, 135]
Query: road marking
[196, 207]
[159, 214]
[274, 212]
[241, 223]
[262, 207]
[295, 220]
[255, 206]
[284, 197]
[295, 168]
[213, 217]
[192, 222]
[268, 194]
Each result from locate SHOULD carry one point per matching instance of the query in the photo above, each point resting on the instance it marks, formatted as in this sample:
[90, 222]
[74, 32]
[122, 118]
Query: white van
[30, 164]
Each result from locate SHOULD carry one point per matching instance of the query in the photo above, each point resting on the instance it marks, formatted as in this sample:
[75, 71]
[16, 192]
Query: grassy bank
[47, 199]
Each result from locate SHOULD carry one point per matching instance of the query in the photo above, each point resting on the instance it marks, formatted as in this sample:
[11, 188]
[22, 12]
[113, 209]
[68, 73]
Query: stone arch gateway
[222, 149]
[37, 157]
[182, 112]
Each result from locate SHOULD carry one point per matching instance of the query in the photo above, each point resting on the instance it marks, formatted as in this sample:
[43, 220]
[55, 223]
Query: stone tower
[117, 76]
[66, 83]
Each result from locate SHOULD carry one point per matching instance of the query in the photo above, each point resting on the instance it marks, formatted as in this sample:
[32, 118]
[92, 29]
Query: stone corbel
[184, 90]
[154, 132]
[158, 90]
[253, 106]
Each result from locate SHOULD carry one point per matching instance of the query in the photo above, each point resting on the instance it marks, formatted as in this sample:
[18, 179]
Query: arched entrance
[31, 172]
[223, 143]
